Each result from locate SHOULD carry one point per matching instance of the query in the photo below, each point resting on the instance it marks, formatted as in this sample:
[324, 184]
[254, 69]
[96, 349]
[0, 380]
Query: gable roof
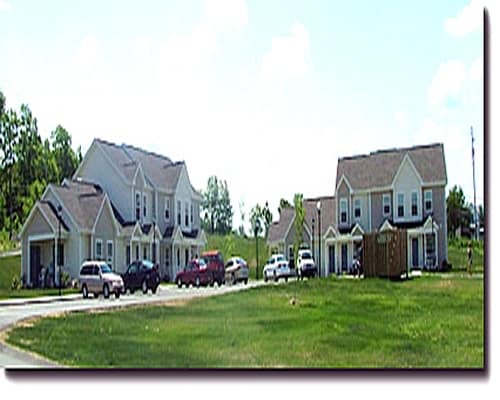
[159, 170]
[378, 169]
[279, 229]
[82, 200]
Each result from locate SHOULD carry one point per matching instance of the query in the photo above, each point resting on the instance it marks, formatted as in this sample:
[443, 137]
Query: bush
[15, 284]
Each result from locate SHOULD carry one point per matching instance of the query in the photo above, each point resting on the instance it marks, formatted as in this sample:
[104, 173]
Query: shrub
[16, 283]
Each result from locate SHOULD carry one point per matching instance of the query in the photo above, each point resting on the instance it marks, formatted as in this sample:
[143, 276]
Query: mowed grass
[431, 322]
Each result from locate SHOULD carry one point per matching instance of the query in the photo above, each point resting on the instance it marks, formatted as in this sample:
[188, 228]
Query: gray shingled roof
[379, 168]
[82, 200]
[158, 169]
[51, 213]
[278, 229]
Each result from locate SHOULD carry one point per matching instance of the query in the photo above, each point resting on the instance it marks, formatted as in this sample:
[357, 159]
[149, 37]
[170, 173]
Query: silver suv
[98, 277]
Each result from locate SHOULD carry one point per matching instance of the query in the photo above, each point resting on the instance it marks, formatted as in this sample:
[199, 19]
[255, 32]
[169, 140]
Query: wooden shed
[384, 254]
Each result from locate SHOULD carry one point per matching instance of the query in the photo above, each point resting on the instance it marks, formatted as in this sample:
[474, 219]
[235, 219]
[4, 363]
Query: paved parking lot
[13, 312]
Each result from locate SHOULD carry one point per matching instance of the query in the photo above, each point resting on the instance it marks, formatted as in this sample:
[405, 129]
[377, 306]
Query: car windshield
[280, 258]
[147, 264]
[306, 255]
[106, 269]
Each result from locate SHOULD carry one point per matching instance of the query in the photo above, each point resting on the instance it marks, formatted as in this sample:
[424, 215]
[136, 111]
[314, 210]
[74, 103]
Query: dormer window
[186, 214]
[137, 206]
[145, 205]
[178, 212]
[343, 211]
[167, 209]
[401, 205]
[428, 200]
[192, 214]
[357, 208]
[414, 204]
[386, 201]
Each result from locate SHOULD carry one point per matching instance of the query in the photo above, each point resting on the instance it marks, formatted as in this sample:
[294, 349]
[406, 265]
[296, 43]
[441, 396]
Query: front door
[331, 259]
[34, 265]
[414, 252]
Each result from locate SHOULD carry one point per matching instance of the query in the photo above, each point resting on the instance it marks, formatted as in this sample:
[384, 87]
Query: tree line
[28, 164]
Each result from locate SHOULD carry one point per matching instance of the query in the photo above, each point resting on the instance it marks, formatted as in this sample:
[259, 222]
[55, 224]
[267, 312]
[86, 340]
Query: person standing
[469, 259]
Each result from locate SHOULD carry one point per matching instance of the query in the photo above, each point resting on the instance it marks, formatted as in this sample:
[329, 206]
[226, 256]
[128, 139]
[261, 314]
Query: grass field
[431, 322]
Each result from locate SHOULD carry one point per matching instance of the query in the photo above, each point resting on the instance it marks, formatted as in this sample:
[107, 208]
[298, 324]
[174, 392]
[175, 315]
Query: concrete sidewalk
[39, 300]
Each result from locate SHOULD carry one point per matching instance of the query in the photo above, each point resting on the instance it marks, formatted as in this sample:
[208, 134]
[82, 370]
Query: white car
[276, 267]
[236, 270]
[305, 264]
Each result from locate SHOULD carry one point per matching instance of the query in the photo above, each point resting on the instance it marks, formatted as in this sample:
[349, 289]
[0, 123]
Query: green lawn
[431, 322]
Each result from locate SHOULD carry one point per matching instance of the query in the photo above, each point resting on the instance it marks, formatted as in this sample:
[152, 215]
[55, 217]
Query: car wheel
[117, 294]
[197, 282]
[85, 291]
[179, 283]
[233, 279]
[275, 277]
[154, 289]
[286, 278]
[144, 286]
[265, 278]
[105, 291]
[246, 281]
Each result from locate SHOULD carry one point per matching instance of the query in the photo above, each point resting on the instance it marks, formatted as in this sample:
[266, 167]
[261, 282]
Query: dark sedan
[141, 274]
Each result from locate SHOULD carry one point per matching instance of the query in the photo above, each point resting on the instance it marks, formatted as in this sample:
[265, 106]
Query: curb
[38, 300]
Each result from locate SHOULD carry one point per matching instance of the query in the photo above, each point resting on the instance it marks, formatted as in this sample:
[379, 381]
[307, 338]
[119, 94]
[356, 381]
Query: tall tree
[8, 143]
[284, 203]
[241, 228]
[458, 214]
[256, 219]
[300, 215]
[66, 158]
[217, 208]
[267, 217]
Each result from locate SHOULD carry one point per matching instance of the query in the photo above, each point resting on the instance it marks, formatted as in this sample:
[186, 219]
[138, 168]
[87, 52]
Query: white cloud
[288, 57]
[468, 20]
[5, 5]
[447, 82]
[476, 70]
[225, 15]
[400, 117]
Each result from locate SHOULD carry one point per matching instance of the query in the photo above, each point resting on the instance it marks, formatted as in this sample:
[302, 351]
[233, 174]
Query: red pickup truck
[215, 266]
[195, 273]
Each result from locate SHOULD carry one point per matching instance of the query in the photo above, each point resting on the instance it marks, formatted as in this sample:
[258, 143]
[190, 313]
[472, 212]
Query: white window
[343, 211]
[98, 249]
[192, 214]
[414, 204]
[137, 206]
[127, 255]
[357, 208]
[167, 257]
[386, 204]
[428, 200]
[401, 205]
[178, 212]
[167, 209]
[186, 214]
[109, 252]
[145, 205]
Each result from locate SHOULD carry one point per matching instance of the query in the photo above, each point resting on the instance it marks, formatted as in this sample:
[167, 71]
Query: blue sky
[264, 94]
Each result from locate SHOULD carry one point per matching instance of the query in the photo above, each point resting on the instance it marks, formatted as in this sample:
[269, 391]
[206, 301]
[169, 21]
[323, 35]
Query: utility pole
[476, 219]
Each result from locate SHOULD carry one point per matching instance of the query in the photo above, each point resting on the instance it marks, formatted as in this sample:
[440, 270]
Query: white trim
[108, 242]
[31, 215]
[137, 192]
[357, 226]
[400, 168]
[292, 220]
[387, 226]
[343, 178]
[386, 195]
[42, 237]
[432, 200]
[396, 209]
[98, 241]
[419, 214]
[165, 200]
[333, 230]
[343, 200]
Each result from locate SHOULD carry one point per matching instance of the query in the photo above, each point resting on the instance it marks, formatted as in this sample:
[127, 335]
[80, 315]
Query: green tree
[66, 158]
[284, 204]
[267, 218]
[217, 208]
[256, 219]
[300, 215]
[458, 214]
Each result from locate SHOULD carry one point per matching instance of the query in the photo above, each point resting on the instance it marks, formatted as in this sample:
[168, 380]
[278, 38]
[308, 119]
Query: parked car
[276, 267]
[141, 274]
[215, 266]
[236, 270]
[97, 277]
[305, 264]
[195, 273]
